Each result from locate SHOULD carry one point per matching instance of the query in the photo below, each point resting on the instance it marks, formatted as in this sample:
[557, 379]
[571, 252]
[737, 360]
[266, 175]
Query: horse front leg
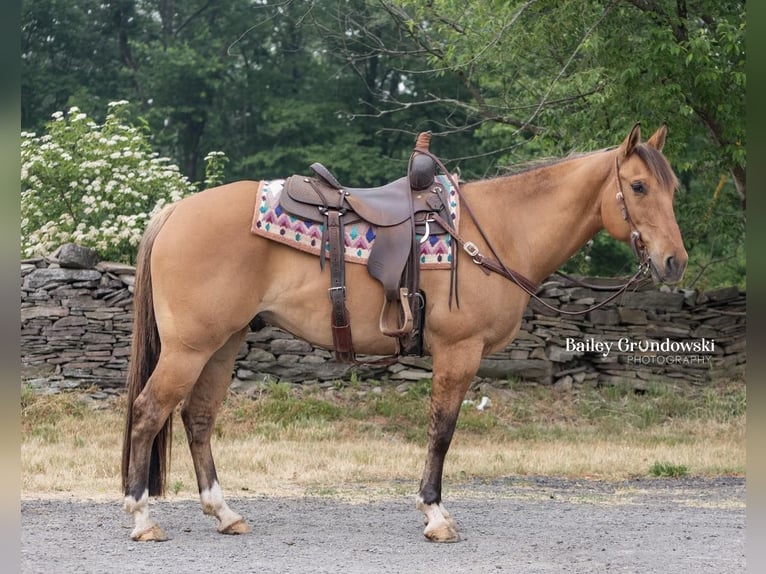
[452, 376]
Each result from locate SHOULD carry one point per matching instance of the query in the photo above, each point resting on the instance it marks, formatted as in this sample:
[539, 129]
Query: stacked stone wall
[76, 331]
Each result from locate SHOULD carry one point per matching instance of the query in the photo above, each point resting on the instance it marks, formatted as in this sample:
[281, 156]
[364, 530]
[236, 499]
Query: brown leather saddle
[399, 212]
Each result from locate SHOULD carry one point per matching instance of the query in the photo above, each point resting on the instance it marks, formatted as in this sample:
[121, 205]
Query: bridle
[495, 263]
[636, 243]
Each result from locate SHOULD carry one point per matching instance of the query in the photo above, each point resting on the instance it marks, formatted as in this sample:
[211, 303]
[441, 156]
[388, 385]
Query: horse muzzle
[668, 268]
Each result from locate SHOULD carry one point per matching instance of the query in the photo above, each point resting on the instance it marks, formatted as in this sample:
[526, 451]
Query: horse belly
[489, 313]
[299, 303]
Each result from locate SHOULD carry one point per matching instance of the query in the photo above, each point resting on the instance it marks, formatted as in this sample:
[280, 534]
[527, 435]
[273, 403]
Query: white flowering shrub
[96, 185]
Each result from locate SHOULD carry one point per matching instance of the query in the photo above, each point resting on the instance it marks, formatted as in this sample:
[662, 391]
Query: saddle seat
[383, 206]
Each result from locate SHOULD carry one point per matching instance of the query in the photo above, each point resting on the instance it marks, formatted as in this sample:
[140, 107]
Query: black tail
[145, 351]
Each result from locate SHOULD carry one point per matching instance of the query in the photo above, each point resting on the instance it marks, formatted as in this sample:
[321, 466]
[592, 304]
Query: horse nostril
[670, 264]
[675, 265]
[674, 268]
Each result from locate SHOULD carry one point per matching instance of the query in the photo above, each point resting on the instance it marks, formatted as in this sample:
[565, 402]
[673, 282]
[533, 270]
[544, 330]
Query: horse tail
[145, 351]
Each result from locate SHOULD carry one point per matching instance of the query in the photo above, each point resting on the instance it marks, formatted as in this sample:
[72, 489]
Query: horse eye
[638, 187]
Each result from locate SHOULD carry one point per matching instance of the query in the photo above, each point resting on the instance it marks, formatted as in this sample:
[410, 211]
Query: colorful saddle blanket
[272, 222]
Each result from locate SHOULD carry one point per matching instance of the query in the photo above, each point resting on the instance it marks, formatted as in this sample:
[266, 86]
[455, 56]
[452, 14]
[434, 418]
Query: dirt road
[518, 525]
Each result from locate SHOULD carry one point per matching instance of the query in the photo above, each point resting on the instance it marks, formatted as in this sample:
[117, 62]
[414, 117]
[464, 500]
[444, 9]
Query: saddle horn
[422, 168]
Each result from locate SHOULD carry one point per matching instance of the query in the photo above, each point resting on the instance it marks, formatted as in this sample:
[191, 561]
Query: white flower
[106, 194]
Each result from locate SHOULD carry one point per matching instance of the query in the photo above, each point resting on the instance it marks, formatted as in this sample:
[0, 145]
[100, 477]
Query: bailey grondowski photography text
[647, 351]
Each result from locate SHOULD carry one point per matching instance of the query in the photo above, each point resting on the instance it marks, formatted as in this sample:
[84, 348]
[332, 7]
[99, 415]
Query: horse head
[639, 209]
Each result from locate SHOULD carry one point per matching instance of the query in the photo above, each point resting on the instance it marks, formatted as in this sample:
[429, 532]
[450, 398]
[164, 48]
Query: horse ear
[657, 141]
[633, 139]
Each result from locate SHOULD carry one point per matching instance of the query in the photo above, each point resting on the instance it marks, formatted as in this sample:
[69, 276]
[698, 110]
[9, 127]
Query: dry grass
[284, 444]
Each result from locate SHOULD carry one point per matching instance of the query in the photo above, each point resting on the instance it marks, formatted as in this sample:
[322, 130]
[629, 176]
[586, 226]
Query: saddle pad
[270, 221]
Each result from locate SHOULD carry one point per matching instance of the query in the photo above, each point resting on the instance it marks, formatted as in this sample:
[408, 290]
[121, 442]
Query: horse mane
[542, 163]
[653, 158]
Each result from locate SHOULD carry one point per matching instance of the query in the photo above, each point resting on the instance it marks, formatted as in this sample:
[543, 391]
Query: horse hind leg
[199, 413]
[172, 379]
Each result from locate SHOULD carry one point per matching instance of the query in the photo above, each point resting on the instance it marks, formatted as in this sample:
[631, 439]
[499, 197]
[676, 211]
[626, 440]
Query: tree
[350, 83]
[702, 48]
[68, 58]
[546, 78]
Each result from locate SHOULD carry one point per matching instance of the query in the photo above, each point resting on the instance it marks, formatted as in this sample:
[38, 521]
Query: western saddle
[398, 212]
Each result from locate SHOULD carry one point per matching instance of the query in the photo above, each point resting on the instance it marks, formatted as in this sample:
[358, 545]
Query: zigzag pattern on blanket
[270, 221]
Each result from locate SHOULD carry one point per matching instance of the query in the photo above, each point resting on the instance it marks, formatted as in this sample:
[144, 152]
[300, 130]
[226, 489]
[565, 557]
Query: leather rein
[495, 263]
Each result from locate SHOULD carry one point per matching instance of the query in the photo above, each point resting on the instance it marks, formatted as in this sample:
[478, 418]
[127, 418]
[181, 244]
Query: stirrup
[391, 308]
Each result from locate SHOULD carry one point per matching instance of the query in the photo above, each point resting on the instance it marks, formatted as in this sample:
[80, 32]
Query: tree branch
[192, 17]
[704, 268]
[588, 32]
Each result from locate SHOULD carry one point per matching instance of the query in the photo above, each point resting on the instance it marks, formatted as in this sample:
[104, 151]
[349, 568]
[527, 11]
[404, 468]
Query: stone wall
[76, 329]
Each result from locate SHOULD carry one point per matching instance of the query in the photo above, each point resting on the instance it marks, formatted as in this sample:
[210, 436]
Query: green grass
[41, 416]
[668, 469]
[529, 412]
[620, 406]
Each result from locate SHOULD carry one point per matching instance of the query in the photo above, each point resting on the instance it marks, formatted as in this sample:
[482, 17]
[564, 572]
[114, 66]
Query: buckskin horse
[202, 277]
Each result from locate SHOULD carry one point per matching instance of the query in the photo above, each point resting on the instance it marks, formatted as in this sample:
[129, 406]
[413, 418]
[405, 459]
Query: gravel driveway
[518, 524]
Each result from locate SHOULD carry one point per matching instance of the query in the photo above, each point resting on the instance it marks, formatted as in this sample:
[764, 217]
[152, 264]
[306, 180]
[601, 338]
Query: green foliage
[279, 86]
[668, 469]
[723, 405]
[472, 420]
[95, 185]
[602, 257]
[421, 388]
[215, 167]
[69, 57]
[177, 486]
[547, 78]
[713, 227]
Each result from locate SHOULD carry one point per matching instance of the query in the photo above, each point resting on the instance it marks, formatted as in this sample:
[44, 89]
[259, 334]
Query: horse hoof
[238, 527]
[451, 521]
[152, 534]
[446, 532]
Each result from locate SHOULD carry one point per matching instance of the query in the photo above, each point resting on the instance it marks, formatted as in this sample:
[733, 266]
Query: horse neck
[539, 218]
